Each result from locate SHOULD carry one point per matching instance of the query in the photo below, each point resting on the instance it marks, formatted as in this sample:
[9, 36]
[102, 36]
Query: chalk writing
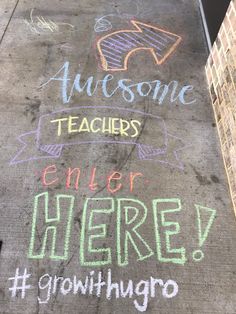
[126, 87]
[133, 215]
[103, 24]
[108, 125]
[66, 46]
[91, 210]
[40, 24]
[124, 231]
[198, 255]
[178, 255]
[49, 177]
[52, 223]
[116, 48]
[64, 122]
[19, 283]
[98, 284]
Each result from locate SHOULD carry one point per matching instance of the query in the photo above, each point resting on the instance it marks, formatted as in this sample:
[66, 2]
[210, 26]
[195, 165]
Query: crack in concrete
[5, 30]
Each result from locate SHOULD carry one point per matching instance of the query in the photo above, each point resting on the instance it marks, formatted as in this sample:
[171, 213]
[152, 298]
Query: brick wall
[221, 76]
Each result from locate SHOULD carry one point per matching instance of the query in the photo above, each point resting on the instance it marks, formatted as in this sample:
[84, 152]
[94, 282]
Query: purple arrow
[116, 48]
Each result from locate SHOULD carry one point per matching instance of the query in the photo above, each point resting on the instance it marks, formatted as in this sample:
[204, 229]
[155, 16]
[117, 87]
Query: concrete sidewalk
[117, 92]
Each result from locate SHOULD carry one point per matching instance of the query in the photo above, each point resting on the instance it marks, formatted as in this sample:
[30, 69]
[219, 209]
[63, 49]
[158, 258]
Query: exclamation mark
[203, 214]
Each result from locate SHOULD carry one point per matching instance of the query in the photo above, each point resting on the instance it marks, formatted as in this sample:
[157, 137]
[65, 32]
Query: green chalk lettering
[41, 207]
[177, 255]
[91, 213]
[204, 211]
[127, 228]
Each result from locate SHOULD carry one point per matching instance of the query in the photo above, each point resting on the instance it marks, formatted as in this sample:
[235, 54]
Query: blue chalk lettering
[160, 90]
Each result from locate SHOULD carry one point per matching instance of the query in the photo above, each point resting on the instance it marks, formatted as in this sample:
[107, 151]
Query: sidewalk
[113, 196]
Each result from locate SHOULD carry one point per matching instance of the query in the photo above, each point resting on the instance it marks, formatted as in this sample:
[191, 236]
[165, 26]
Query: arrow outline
[152, 50]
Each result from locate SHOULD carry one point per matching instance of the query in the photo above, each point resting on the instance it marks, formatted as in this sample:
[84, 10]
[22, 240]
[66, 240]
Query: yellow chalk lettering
[92, 125]
[84, 126]
[115, 130]
[71, 124]
[124, 126]
[133, 122]
[104, 127]
[59, 126]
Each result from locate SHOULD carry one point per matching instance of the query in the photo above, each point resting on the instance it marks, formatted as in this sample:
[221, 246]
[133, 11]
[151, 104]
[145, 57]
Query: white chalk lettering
[96, 283]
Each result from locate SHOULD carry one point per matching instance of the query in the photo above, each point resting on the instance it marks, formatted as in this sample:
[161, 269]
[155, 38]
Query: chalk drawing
[52, 222]
[104, 253]
[39, 24]
[133, 214]
[49, 170]
[72, 179]
[160, 91]
[116, 48]
[103, 24]
[95, 284]
[52, 148]
[20, 285]
[130, 215]
[198, 255]
[101, 283]
[66, 46]
[176, 255]
[78, 124]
